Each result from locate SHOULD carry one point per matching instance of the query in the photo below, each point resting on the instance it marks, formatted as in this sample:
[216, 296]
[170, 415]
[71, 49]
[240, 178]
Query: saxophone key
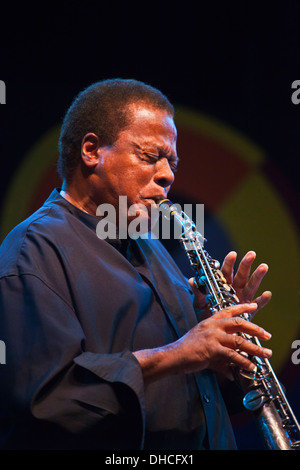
[254, 400]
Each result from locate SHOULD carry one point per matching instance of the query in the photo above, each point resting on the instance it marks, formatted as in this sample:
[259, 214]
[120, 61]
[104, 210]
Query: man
[103, 347]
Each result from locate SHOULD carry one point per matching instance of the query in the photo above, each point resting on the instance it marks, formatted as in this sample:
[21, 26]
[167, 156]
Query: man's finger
[240, 325]
[263, 299]
[254, 282]
[236, 310]
[243, 272]
[228, 265]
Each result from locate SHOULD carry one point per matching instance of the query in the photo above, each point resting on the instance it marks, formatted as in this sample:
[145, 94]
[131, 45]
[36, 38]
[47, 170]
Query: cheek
[137, 177]
[128, 183]
[127, 178]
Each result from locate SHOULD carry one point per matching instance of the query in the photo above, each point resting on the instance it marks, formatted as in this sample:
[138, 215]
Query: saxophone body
[263, 394]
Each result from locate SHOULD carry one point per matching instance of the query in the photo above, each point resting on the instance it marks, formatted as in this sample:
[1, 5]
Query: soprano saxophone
[263, 394]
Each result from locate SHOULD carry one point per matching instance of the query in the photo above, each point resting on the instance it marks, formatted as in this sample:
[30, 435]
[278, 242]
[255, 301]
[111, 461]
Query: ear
[89, 149]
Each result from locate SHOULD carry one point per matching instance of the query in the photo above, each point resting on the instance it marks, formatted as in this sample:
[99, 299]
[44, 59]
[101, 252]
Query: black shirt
[72, 309]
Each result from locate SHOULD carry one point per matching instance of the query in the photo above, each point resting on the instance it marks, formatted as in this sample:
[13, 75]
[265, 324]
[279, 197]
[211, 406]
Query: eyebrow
[159, 149]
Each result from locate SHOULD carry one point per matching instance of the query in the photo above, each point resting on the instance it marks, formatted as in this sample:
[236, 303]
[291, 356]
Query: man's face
[141, 163]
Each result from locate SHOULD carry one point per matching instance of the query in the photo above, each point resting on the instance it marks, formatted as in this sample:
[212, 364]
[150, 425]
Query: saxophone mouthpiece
[168, 208]
[164, 201]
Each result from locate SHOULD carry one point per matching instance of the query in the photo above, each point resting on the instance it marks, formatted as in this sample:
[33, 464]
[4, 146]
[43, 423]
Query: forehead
[151, 125]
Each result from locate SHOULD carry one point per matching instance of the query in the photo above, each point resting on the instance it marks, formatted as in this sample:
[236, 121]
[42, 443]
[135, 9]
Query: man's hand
[244, 284]
[214, 343]
[211, 344]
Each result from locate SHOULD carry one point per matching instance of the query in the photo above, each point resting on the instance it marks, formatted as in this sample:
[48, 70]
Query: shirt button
[205, 398]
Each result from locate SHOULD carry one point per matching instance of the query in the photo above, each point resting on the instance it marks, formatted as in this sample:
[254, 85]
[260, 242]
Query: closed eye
[152, 158]
[173, 165]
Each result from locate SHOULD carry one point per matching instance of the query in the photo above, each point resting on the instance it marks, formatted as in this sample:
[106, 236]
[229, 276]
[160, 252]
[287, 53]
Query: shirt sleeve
[50, 379]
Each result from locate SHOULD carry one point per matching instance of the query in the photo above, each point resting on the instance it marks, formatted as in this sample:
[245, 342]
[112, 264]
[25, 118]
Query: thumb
[199, 301]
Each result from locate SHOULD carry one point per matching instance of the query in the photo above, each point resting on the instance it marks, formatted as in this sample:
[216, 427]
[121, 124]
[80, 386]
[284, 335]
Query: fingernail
[251, 255]
[268, 335]
[253, 305]
[267, 352]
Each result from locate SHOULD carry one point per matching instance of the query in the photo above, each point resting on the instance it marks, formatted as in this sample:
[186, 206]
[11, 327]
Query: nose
[164, 175]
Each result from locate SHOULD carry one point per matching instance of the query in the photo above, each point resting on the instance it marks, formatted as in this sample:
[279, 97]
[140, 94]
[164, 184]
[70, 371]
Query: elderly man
[104, 350]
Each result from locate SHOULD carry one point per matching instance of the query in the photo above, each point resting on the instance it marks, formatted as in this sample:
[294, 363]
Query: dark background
[233, 60]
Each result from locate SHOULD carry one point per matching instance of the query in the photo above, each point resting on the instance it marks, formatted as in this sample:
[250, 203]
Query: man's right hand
[213, 343]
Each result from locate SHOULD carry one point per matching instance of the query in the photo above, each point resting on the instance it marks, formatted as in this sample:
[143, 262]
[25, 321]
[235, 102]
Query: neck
[78, 199]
